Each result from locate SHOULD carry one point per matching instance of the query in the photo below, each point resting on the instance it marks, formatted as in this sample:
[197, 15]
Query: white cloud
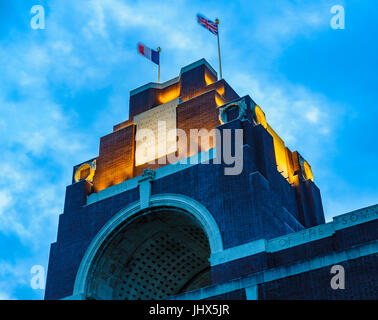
[5, 200]
[38, 141]
[278, 26]
[292, 110]
[313, 116]
[16, 276]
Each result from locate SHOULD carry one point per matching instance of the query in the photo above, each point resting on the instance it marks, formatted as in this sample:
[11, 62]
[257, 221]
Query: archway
[151, 254]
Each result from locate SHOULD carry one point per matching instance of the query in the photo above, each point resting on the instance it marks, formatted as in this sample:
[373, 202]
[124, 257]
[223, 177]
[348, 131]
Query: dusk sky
[63, 87]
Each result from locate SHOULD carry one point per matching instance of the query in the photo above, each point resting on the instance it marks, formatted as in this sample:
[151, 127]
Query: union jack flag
[208, 24]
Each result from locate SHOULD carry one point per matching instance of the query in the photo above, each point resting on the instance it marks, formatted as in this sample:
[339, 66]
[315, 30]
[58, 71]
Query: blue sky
[64, 87]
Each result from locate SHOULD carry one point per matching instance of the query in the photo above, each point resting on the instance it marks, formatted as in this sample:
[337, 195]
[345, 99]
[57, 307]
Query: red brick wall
[116, 158]
[197, 113]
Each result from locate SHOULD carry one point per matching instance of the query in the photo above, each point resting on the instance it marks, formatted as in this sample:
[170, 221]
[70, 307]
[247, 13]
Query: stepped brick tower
[222, 209]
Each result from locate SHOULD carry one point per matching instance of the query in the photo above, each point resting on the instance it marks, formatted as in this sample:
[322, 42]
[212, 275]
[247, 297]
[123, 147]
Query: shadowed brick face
[360, 283]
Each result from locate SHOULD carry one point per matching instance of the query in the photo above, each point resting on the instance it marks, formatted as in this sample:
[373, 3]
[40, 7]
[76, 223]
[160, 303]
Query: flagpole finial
[217, 21]
[158, 49]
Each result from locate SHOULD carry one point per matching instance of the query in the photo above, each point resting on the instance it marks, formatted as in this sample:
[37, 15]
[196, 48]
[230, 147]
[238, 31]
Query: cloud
[91, 45]
[5, 200]
[313, 116]
[39, 141]
[17, 276]
[279, 25]
[173, 29]
[292, 110]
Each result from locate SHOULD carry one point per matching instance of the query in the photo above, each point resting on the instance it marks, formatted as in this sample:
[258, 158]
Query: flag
[208, 24]
[148, 53]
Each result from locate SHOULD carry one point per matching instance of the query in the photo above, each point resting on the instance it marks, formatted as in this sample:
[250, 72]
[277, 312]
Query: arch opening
[159, 253]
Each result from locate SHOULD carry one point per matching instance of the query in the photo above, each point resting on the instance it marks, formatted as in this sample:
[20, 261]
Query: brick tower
[137, 225]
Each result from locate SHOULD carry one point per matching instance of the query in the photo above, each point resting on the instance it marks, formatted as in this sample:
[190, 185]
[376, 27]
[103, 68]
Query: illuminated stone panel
[159, 120]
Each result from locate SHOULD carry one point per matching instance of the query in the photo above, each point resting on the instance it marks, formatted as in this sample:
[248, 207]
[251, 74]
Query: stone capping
[131, 212]
[161, 172]
[238, 252]
[355, 217]
[196, 64]
[154, 85]
[279, 272]
[300, 237]
[163, 85]
[324, 230]
[296, 238]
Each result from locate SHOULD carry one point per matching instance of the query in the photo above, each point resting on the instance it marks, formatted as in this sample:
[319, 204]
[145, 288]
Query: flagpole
[219, 55]
[158, 50]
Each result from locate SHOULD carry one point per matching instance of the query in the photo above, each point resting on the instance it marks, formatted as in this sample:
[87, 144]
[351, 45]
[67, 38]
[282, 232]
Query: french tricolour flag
[148, 53]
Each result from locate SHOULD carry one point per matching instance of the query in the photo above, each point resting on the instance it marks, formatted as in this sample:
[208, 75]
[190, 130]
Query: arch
[126, 215]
